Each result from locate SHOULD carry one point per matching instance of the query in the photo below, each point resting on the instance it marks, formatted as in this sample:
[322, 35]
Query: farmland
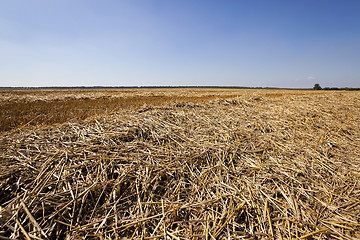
[179, 164]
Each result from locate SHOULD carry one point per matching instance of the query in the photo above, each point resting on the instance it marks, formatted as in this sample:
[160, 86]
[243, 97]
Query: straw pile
[253, 167]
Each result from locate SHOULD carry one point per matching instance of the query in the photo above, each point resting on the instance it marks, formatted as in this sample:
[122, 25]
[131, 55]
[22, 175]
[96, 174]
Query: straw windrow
[255, 166]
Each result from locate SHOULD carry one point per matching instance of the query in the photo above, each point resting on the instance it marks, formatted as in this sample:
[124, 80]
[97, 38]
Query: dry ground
[179, 164]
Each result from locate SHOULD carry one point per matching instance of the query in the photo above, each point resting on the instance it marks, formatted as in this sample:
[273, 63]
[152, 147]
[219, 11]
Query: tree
[317, 87]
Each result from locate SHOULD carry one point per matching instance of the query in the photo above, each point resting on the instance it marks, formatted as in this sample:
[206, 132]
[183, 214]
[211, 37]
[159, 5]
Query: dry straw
[259, 166]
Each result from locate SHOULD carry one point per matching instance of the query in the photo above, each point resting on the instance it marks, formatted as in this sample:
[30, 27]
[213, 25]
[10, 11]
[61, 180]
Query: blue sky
[256, 43]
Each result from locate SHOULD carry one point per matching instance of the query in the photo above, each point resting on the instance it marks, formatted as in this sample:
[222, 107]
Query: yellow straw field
[179, 164]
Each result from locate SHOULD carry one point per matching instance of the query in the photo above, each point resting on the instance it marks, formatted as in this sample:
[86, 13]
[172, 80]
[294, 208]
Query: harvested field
[180, 164]
[21, 108]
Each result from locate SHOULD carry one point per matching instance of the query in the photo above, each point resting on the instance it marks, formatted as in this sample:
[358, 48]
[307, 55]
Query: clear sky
[255, 43]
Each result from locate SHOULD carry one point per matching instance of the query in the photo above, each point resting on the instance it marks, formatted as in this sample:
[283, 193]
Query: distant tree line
[318, 87]
[146, 87]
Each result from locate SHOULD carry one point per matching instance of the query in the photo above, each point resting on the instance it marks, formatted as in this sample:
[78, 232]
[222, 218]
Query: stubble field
[179, 164]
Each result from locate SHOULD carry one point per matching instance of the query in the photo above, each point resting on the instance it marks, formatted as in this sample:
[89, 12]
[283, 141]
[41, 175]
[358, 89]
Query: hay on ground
[253, 167]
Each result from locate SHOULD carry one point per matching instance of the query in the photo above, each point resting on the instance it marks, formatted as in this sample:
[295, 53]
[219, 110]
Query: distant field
[21, 108]
[33, 107]
[179, 164]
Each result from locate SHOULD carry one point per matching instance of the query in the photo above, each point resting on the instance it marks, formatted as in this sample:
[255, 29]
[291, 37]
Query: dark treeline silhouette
[316, 87]
[343, 89]
[148, 87]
